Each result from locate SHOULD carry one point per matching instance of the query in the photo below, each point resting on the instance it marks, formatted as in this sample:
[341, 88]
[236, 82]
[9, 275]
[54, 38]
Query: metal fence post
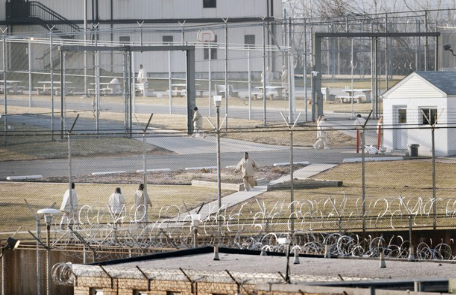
[5, 95]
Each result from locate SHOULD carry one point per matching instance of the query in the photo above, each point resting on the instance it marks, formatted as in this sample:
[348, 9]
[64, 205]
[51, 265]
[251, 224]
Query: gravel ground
[311, 269]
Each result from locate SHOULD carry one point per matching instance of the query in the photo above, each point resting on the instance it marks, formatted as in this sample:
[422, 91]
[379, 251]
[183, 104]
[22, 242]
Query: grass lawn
[14, 212]
[386, 182]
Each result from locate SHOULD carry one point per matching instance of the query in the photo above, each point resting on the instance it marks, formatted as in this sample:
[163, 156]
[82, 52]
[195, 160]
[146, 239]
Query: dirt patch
[178, 177]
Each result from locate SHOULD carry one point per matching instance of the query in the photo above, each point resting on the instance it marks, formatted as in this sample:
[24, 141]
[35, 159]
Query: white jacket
[67, 202]
[247, 167]
[116, 203]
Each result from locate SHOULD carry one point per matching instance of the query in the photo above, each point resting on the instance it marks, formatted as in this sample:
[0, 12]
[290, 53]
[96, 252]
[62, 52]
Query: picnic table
[352, 93]
[270, 90]
[180, 89]
[46, 87]
[10, 85]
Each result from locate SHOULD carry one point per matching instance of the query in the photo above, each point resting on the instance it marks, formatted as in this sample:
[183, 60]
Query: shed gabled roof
[442, 82]
[445, 81]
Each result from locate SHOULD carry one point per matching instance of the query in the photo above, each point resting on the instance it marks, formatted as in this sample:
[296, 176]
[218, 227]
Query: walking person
[142, 81]
[265, 77]
[116, 204]
[322, 134]
[197, 122]
[141, 201]
[69, 207]
[247, 167]
[141, 75]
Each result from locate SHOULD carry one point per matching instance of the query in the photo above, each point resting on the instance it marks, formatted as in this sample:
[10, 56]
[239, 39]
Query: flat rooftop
[310, 269]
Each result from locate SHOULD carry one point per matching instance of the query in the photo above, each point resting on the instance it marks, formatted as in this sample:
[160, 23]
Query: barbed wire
[255, 227]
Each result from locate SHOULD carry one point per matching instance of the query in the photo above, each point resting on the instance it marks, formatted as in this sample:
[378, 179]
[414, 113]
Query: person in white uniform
[247, 167]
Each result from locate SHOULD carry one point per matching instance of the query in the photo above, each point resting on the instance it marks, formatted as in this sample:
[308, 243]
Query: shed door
[400, 131]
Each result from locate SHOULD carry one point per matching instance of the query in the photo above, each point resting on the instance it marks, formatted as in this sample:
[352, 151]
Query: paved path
[242, 196]
[190, 145]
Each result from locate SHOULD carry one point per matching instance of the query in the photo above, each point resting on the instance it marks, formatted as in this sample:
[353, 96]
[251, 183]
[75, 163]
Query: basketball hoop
[206, 36]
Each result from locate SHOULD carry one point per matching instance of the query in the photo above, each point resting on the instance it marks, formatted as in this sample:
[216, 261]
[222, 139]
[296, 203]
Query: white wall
[419, 133]
[160, 9]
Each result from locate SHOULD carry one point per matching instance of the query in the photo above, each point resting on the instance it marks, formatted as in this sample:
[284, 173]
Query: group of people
[116, 205]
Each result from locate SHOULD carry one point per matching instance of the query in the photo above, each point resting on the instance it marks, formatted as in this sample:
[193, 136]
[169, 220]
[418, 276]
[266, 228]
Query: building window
[173, 293]
[94, 291]
[124, 39]
[213, 50]
[402, 116]
[168, 40]
[209, 3]
[137, 292]
[249, 41]
[429, 116]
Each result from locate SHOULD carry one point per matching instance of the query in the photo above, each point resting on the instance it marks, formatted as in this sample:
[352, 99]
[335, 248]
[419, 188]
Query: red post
[357, 141]
[379, 137]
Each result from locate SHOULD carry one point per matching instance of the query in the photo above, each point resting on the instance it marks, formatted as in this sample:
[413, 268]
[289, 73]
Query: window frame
[209, 3]
[431, 113]
[249, 45]
[402, 118]
[124, 42]
[167, 42]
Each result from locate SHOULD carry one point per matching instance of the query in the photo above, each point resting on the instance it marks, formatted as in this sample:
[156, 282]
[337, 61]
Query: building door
[400, 130]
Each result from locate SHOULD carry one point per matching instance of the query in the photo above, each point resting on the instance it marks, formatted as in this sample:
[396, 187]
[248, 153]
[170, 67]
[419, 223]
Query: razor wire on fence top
[257, 226]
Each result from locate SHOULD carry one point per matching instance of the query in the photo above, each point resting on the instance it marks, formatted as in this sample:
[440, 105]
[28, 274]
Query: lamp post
[196, 218]
[360, 124]
[11, 243]
[286, 242]
[218, 103]
[48, 212]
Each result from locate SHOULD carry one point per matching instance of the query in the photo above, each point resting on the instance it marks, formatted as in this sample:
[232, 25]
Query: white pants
[249, 182]
[322, 142]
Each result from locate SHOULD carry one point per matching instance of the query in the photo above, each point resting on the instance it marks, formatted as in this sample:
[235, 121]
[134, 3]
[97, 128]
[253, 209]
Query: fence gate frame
[190, 75]
[317, 96]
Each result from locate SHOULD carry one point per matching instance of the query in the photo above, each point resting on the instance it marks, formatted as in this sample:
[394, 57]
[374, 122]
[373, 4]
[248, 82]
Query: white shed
[410, 105]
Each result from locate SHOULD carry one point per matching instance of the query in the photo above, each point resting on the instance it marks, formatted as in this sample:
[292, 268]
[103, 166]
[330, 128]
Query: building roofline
[194, 251]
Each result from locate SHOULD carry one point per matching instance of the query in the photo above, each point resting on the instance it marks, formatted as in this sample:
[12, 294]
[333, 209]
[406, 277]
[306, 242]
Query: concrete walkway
[188, 145]
[242, 196]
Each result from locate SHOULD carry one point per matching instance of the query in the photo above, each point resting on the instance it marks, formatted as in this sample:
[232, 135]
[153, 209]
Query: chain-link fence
[100, 96]
[384, 187]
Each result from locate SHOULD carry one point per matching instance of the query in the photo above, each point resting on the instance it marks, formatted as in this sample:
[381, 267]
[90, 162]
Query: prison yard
[263, 132]
[403, 190]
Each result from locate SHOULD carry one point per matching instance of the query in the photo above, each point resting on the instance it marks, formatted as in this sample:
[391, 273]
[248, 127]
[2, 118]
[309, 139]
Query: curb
[372, 159]
[23, 177]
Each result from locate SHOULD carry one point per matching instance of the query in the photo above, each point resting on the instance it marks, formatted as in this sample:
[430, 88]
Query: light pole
[48, 212]
[286, 242]
[360, 124]
[218, 103]
[291, 127]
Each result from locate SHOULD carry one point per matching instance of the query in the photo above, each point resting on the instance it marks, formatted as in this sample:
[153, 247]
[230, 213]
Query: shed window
[429, 116]
[209, 3]
[402, 116]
